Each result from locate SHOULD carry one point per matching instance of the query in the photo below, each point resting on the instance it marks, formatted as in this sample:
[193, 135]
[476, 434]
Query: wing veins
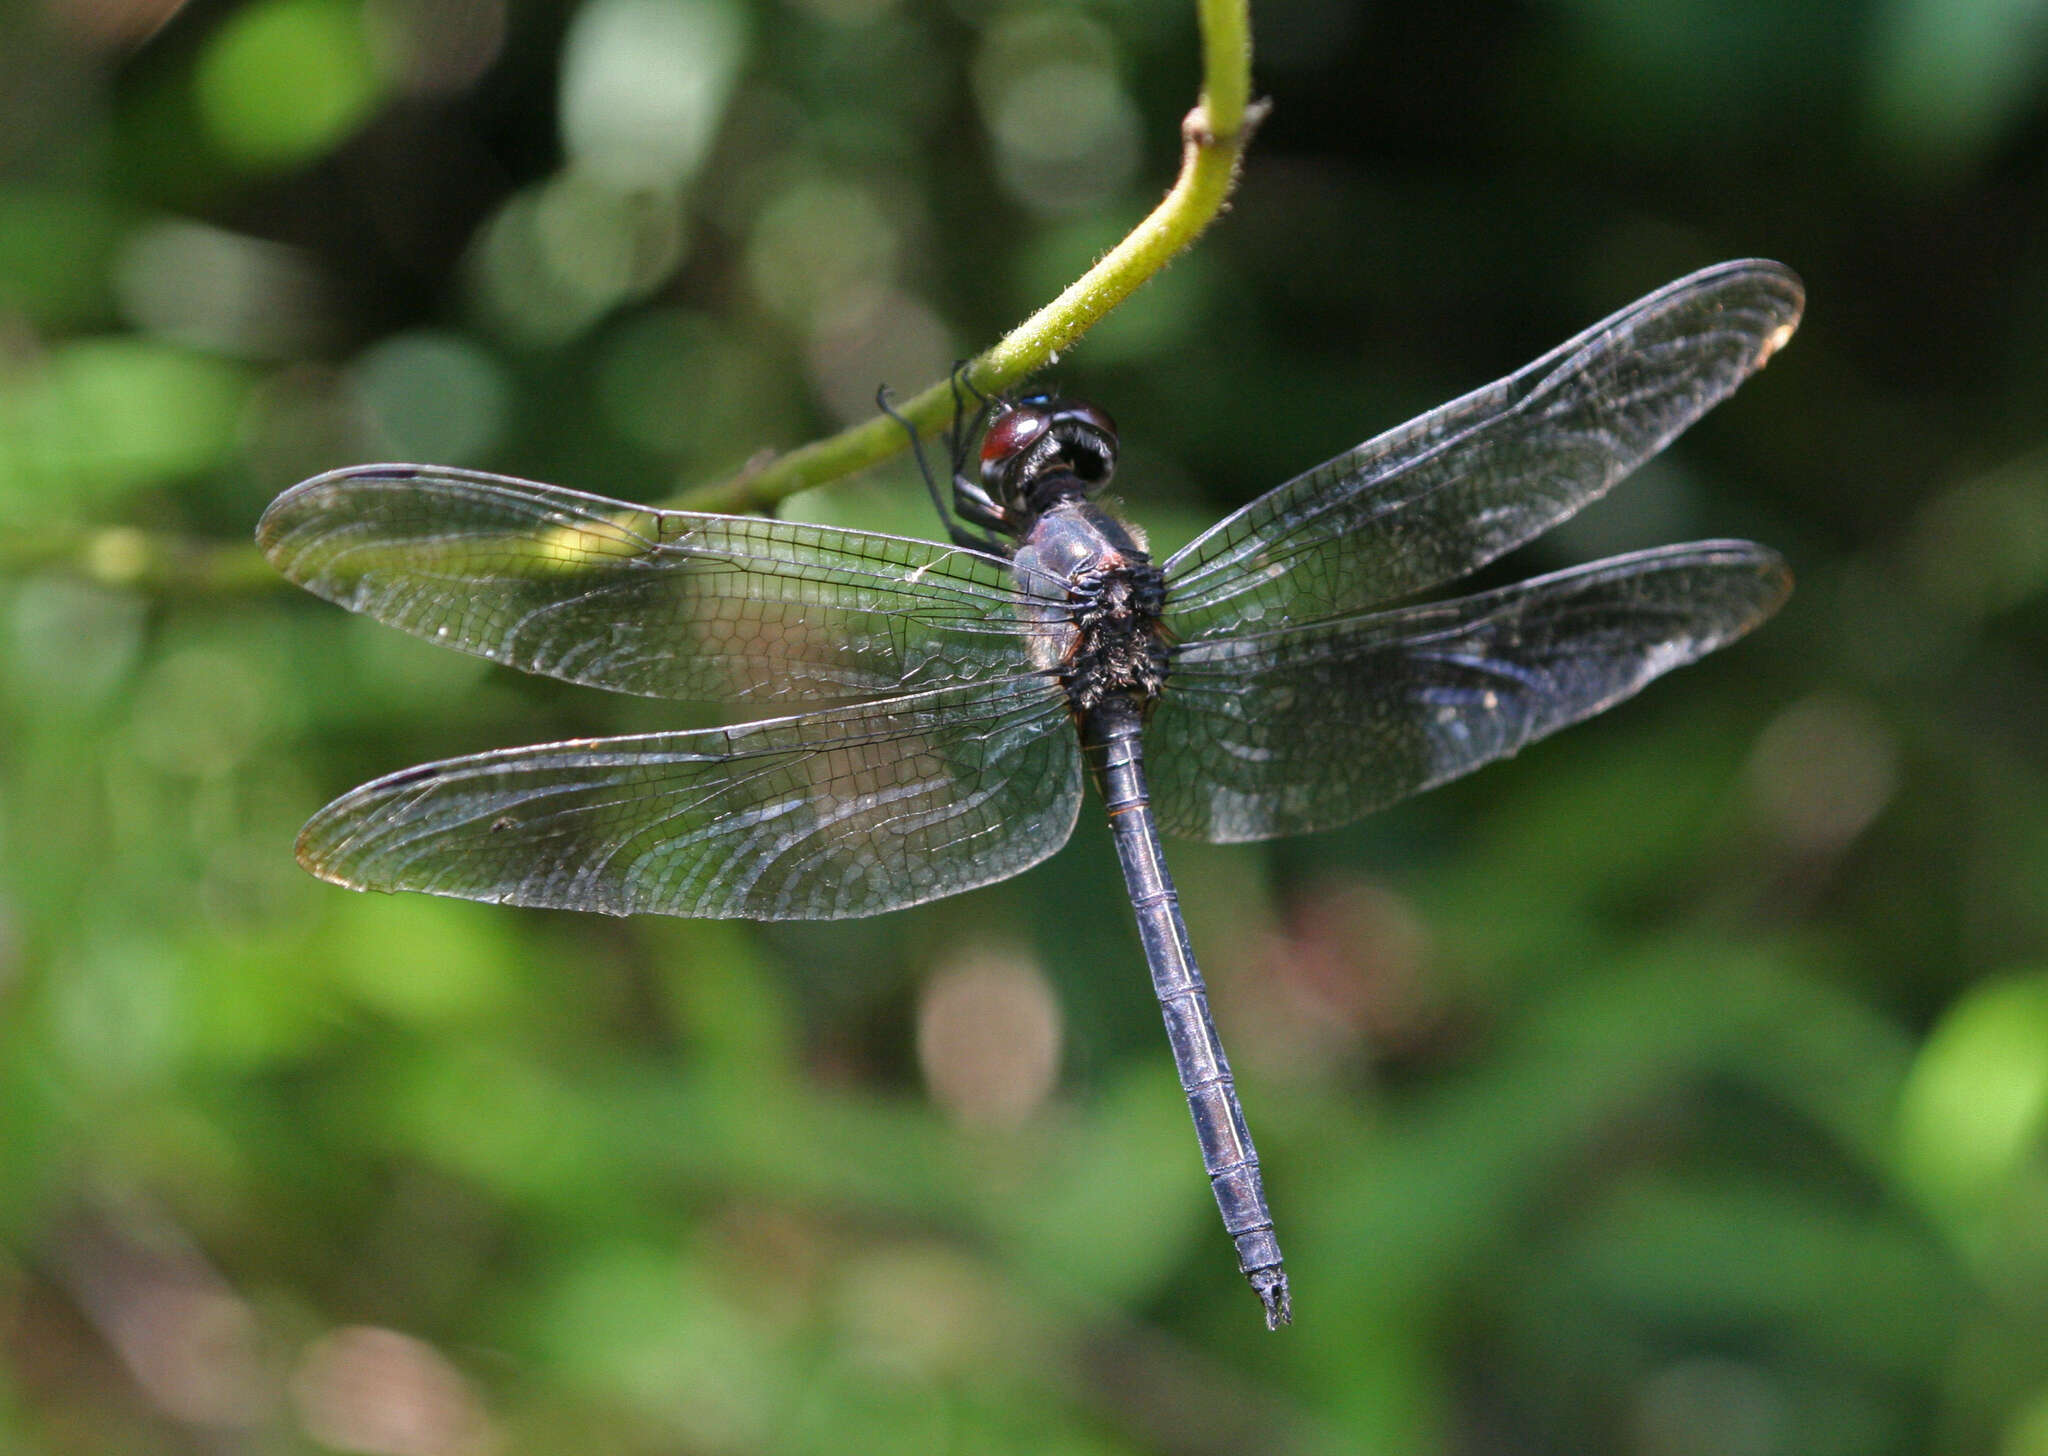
[1489, 470]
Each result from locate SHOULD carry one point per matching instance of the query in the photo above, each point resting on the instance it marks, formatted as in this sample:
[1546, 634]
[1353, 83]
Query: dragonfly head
[1040, 448]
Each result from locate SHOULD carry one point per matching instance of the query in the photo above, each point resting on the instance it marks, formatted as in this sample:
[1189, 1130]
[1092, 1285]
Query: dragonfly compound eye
[1015, 431]
[1089, 435]
[1042, 439]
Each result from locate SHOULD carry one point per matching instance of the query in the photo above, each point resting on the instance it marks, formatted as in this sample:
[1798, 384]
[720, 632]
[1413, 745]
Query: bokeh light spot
[876, 336]
[1947, 79]
[110, 414]
[559, 257]
[988, 1038]
[644, 84]
[285, 81]
[1066, 131]
[1982, 548]
[435, 47]
[432, 396]
[69, 640]
[692, 387]
[1976, 1102]
[1822, 772]
[815, 243]
[383, 1393]
[190, 1343]
[214, 289]
[1068, 140]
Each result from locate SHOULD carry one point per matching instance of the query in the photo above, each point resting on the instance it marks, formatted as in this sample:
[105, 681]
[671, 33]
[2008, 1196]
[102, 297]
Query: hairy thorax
[1099, 627]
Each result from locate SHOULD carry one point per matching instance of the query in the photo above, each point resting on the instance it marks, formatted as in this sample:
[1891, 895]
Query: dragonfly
[1285, 672]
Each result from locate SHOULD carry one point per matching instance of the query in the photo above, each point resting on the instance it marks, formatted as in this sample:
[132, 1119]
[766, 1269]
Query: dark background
[1678, 1087]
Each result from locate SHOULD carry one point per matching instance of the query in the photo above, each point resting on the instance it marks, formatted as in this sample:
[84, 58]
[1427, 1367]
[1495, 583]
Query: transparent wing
[668, 604]
[837, 813]
[1310, 727]
[1451, 490]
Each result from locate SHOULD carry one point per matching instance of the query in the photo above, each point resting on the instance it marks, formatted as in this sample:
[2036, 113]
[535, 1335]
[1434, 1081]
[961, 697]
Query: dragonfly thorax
[1102, 597]
[1120, 650]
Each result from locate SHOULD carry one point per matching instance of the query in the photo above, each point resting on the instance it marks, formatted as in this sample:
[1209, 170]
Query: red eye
[1012, 434]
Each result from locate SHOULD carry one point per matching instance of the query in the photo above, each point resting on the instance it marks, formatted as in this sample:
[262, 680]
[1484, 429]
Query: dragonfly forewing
[666, 604]
[1453, 489]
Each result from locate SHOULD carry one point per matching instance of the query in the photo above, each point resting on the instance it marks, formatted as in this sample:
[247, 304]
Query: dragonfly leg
[957, 533]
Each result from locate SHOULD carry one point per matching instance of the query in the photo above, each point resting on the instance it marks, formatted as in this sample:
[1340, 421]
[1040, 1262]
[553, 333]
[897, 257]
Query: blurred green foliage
[1680, 1087]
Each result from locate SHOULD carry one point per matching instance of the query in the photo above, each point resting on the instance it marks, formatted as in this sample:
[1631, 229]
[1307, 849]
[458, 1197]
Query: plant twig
[161, 563]
[1213, 138]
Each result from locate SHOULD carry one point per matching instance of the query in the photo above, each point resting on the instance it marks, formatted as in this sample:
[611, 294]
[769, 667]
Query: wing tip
[319, 850]
[1772, 573]
[296, 508]
[1783, 299]
[1769, 576]
[1778, 575]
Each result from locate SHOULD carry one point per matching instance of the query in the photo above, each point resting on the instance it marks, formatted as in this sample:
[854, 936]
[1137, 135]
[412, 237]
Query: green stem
[1213, 138]
[137, 560]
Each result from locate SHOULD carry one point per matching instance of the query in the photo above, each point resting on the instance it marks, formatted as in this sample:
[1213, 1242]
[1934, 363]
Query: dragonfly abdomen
[1112, 736]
